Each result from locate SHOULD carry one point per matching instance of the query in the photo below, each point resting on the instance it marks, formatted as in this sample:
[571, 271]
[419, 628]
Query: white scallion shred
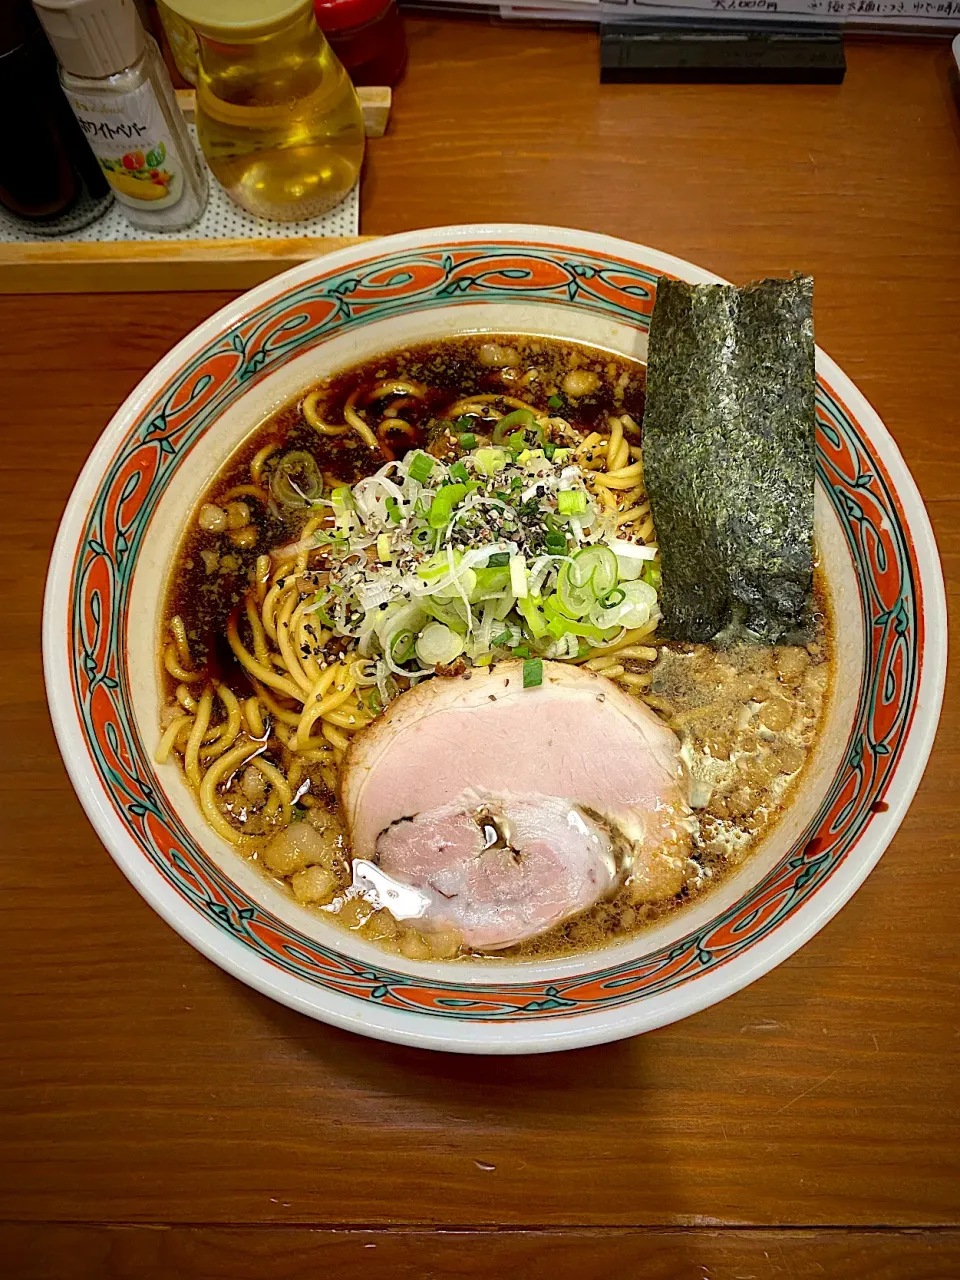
[413, 591]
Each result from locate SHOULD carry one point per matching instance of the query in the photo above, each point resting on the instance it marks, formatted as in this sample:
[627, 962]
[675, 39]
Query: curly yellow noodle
[290, 657]
[455, 410]
[281, 683]
[268, 610]
[226, 733]
[300, 620]
[636, 680]
[317, 704]
[174, 668]
[645, 532]
[338, 740]
[309, 410]
[186, 698]
[253, 717]
[258, 460]
[260, 646]
[245, 491]
[171, 733]
[179, 632]
[276, 780]
[300, 564]
[614, 441]
[641, 652]
[221, 769]
[634, 472]
[283, 715]
[349, 721]
[191, 756]
[362, 428]
[395, 387]
[262, 572]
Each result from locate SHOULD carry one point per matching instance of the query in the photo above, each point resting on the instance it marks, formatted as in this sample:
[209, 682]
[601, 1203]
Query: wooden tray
[132, 266]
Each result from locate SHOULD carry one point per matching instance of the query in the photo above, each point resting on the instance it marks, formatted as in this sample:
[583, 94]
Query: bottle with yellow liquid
[277, 116]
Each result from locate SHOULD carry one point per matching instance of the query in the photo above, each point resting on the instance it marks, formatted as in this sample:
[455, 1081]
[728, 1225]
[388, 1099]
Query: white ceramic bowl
[135, 495]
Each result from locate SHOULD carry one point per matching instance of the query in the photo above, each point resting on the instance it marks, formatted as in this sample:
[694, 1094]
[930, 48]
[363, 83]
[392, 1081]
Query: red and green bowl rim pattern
[160, 442]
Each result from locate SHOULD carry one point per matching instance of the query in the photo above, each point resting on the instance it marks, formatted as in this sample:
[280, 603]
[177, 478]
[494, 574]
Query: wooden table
[159, 1119]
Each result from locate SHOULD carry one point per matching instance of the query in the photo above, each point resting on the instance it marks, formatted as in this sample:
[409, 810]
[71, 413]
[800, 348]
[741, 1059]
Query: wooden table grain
[159, 1119]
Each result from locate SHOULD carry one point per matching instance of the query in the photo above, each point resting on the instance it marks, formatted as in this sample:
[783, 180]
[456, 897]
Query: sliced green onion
[502, 639]
[393, 509]
[490, 582]
[571, 502]
[460, 472]
[517, 442]
[438, 644]
[522, 651]
[497, 559]
[533, 616]
[384, 549]
[549, 450]
[651, 574]
[554, 403]
[556, 543]
[518, 577]
[532, 673]
[420, 468]
[443, 503]
[403, 646]
[463, 423]
[468, 440]
[522, 418]
[490, 461]
[613, 598]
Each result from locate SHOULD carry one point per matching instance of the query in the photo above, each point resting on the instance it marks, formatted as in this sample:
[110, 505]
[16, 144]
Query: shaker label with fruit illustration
[132, 142]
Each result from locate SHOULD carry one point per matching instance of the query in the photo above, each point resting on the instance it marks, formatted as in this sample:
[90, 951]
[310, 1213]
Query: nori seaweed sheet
[728, 458]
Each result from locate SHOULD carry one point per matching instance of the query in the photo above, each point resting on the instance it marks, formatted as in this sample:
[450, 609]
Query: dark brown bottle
[50, 182]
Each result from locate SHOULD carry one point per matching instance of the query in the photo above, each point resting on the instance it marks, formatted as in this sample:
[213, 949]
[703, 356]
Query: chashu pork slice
[511, 809]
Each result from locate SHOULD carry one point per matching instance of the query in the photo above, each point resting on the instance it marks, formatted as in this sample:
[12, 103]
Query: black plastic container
[50, 181]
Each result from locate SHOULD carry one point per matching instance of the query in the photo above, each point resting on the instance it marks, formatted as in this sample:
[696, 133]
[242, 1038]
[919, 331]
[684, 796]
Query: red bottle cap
[342, 15]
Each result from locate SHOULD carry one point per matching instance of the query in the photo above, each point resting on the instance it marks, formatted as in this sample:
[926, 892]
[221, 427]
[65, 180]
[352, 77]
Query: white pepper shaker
[115, 81]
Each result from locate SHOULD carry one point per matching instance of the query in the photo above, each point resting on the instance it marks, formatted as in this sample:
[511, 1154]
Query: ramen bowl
[136, 496]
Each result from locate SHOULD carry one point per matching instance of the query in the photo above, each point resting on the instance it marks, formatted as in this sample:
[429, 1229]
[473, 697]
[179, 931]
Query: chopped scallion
[532, 673]
[420, 468]
[460, 472]
[499, 559]
[571, 502]
[522, 651]
[518, 577]
[554, 403]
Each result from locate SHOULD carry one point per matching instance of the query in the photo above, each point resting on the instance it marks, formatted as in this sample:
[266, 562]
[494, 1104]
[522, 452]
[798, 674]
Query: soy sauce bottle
[50, 182]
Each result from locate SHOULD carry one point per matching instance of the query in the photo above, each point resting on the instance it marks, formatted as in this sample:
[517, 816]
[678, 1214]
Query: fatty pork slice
[500, 869]
[570, 773]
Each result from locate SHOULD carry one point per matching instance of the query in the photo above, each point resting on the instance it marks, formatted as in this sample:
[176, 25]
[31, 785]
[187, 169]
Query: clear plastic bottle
[116, 82]
[277, 116]
[182, 40]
